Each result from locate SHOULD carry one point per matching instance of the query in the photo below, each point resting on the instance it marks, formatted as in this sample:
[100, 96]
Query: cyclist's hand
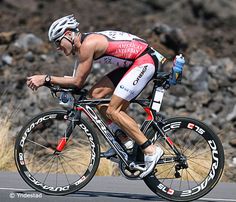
[36, 81]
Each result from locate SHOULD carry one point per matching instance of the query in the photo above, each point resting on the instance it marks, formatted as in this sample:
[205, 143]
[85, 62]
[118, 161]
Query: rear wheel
[199, 167]
[47, 170]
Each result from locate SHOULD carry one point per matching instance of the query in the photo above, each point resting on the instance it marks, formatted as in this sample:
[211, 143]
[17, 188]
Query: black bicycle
[58, 152]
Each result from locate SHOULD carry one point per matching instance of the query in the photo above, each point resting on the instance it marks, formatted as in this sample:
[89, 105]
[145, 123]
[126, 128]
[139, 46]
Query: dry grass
[80, 156]
[106, 167]
[7, 162]
[199, 165]
[74, 159]
[6, 146]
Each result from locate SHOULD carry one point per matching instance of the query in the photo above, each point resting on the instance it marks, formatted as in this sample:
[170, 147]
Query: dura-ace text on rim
[28, 146]
[200, 167]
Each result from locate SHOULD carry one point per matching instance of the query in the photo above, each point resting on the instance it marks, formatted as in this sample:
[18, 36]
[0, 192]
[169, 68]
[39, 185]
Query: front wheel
[196, 171]
[48, 170]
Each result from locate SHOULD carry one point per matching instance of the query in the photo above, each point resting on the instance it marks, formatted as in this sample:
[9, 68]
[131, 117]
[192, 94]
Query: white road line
[218, 199]
[15, 189]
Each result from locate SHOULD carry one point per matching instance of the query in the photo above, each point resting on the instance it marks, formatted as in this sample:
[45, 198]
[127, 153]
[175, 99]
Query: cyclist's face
[64, 44]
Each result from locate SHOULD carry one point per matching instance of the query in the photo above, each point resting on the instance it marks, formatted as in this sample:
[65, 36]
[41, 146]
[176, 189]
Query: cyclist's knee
[96, 93]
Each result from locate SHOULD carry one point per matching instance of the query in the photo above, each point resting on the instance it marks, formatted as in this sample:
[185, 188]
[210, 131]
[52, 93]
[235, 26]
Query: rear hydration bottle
[177, 69]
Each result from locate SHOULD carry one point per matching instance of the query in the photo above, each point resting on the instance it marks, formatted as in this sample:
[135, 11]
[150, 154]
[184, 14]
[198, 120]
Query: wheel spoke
[187, 179]
[165, 170]
[191, 176]
[198, 154]
[204, 159]
[194, 144]
[199, 164]
[49, 170]
[168, 173]
[184, 138]
[170, 152]
[69, 165]
[43, 166]
[197, 147]
[73, 159]
[196, 172]
[28, 140]
[181, 180]
[57, 173]
[64, 170]
[171, 182]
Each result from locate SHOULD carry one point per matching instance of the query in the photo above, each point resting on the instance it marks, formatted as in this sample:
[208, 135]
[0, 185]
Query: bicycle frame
[78, 162]
[87, 106]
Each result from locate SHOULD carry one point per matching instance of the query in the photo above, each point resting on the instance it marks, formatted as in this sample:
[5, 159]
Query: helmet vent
[58, 28]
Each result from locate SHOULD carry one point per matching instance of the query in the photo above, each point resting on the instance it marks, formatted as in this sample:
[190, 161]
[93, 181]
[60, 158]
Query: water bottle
[177, 69]
[157, 100]
[124, 139]
[66, 100]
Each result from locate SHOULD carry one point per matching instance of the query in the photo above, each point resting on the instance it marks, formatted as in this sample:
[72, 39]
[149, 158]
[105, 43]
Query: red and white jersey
[123, 48]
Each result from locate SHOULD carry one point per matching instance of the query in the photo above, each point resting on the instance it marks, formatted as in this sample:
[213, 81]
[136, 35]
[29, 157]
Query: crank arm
[134, 166]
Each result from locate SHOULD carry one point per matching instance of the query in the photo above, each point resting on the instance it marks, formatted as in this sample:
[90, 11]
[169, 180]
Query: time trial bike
[58, 151]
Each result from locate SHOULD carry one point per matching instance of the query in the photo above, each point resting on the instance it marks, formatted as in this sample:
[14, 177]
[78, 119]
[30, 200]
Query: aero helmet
[58, 28]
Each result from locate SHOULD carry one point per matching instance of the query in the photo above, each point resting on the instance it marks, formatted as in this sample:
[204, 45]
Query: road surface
[101, 189]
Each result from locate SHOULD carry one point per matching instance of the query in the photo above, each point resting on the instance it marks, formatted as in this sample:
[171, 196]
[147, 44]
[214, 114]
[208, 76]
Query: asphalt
[101, 189]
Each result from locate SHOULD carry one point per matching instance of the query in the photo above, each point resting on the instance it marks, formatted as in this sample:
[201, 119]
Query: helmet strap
[73, 43]
[71, 40]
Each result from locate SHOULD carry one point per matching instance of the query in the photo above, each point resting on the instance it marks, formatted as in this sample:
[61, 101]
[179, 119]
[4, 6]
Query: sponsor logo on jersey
[140, 75]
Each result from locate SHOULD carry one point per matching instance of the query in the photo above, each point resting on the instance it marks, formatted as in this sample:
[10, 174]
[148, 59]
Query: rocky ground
[204, 30]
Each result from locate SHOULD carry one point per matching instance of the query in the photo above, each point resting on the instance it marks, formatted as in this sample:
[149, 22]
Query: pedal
[134, 166]
[109, 153]
[114, 159]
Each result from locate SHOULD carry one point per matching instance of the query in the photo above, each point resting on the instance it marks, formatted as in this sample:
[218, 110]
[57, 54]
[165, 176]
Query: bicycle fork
[68, 132]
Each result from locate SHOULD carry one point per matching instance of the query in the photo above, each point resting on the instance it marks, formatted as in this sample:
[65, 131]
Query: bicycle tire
[56, 173]
[205, 160]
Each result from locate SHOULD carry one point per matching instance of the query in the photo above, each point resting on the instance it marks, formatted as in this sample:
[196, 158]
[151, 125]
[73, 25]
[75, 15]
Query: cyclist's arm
[83, 69]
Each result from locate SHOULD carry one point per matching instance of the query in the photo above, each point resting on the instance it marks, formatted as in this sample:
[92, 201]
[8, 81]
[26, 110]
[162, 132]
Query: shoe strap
[146, 144]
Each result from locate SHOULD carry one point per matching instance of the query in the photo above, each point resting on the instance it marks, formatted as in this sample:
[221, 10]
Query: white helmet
[58, 28]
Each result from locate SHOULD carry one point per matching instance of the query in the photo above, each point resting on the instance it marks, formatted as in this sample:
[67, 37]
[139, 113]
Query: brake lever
[54, 91]
[54, 94]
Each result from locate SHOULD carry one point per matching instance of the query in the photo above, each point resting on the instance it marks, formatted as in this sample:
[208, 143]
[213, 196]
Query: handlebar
[163, 76]
[74, 91]
[161, 79]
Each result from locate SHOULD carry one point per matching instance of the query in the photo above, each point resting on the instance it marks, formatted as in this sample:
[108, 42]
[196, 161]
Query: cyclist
[136, 61]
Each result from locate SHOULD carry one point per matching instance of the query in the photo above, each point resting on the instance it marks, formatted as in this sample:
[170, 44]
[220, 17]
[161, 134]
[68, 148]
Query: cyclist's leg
[133, 82]
[116, 114]
[100, 90]
[106, 86]
[130, 86]
[151, 153]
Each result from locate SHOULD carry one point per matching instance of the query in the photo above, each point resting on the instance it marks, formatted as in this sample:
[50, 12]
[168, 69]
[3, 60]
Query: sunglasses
[58, 42]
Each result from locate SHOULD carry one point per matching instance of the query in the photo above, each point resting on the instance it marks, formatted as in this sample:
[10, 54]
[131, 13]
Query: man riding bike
[136, 65]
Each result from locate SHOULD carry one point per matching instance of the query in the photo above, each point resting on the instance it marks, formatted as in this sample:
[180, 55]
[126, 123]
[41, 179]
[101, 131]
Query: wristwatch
[47, 81]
